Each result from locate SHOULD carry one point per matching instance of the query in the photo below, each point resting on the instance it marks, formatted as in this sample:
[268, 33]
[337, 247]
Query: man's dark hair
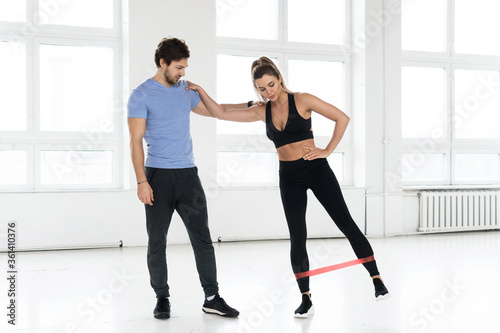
[171, 49]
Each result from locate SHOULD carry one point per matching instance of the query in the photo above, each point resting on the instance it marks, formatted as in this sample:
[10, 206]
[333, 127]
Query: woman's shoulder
[260, 110]
[302, 96]
[304, 100]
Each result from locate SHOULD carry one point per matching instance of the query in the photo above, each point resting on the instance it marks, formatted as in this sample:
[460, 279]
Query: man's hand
[145, 193]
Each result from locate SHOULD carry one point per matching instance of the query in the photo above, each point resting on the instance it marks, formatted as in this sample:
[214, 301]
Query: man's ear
[163, 63]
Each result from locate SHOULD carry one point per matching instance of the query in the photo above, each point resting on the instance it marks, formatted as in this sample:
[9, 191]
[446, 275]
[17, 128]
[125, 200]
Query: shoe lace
[222, 304]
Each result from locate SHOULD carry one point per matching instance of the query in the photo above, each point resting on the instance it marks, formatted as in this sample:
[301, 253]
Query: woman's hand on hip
[314, 153]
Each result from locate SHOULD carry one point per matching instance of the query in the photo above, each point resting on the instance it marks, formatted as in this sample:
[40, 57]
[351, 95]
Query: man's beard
[171, 80]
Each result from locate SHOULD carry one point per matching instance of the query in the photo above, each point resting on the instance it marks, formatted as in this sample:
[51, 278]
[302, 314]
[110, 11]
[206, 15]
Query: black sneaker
[306, 308]
[220, 307]
[162, 309]
[381, 291]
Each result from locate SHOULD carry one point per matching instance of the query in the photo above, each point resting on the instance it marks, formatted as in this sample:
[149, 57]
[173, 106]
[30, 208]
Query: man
[159, 111]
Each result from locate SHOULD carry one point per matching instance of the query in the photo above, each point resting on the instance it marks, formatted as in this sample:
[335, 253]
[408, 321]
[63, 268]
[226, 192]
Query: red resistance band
[334, 267]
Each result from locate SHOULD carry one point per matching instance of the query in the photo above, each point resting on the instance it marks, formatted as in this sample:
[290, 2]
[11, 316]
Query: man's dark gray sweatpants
[178, 190]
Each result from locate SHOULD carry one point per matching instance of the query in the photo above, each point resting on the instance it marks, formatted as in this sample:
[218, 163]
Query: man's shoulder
[179, 86]
[151, 86]
[145, 86]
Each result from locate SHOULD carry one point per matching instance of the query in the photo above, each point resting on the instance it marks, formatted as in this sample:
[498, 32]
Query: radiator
[459, 210]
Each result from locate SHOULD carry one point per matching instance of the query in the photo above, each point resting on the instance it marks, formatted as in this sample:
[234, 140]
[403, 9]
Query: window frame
[33, 140]
[284, 50]
[451, 60]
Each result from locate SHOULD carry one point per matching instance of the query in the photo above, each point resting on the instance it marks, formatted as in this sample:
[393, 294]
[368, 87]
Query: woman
[303, 166]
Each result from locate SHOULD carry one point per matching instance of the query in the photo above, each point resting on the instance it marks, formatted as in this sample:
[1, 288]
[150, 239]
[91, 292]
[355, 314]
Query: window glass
[423, 25]
[76, 88]
[316, 21]
[423, 102]
[255, 19]
[418, 167]
[477, 27]
[13, 10]
[477, 167]
[12, 86]
[477, 104]
[325, 80]
[76, 167]
[234, 85]
[13, 167]
[82, 13]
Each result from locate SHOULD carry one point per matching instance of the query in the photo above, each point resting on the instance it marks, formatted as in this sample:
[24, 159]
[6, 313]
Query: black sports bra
[296, 128]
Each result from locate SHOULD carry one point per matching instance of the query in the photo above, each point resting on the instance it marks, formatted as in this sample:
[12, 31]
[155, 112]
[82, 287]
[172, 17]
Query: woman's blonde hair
[263, 66]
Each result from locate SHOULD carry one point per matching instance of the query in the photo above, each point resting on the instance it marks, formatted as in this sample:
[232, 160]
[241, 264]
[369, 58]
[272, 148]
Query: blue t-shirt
[167, 112]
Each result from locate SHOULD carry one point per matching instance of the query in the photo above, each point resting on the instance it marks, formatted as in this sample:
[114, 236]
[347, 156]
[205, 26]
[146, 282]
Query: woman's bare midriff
[294, 151]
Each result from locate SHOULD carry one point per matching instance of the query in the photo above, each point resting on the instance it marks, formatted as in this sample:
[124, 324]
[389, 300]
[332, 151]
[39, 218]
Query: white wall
[377, 61]
[86, 218]
[77, 219]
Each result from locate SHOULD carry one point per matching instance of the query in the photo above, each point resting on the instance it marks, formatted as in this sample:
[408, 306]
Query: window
[76, 167]
[316, 21]
[476, 166]
[238, 19]
[13, 167]
[13, 86]
[473, 19]
[421, 34]
[60, 93]
[450, 92]
[12, 11]
[425, 167]
[477, 104]
[306, 41]
[329, 84]
[423, 101]
[234, 85]
[81, 13]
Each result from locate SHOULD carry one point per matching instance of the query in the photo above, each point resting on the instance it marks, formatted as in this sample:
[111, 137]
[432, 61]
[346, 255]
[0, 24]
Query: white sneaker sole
[209, 310]
[222, 314]
[305, 315]
[383, 297]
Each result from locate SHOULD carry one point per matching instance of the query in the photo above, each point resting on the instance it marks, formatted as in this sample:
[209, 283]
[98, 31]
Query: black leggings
[296, 177]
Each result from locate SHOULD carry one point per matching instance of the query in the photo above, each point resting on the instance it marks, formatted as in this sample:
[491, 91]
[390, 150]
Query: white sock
[210, 298]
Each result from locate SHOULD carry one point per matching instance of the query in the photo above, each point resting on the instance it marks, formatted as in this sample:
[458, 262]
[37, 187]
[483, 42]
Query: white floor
[439, 283]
